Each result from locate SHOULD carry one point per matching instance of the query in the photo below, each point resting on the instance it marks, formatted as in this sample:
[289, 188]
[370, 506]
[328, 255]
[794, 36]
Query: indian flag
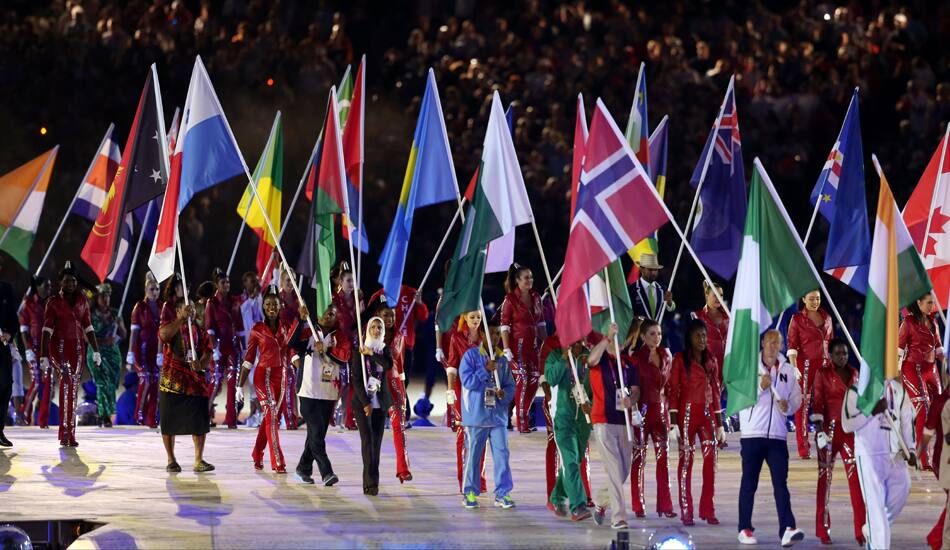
[774, 271]
[268, 176]
[500, 203]
[22, 194]
[897, 278]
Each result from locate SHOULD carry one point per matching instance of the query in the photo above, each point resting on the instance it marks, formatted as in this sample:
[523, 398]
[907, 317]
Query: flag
[344, 96]
[499, 204]
[501, 251]
[774, 272]
[897, 278]
[123, 254]
[577, 154]
[619, 296]
[353, 154]
[343, 108]
[206, 154]
[617, 206]
[141, 177]
[717, 231]
[839, 193]
[430, 179]
[932, 193]
[93, 189]
[638, 125]
[22, 194]
[268, 176]
[657, 169]
[172, 135]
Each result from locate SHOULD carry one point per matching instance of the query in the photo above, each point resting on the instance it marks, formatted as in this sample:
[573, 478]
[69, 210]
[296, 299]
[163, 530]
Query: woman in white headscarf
[370, 402]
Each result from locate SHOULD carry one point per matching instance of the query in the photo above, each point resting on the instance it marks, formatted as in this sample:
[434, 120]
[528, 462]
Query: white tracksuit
[885, 481]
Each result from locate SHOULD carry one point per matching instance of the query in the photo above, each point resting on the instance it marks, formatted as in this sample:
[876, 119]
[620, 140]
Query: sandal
[202, 467]
[173, 468]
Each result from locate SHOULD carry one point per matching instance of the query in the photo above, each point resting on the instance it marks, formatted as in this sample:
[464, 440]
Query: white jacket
[873, 434]
[764, 419]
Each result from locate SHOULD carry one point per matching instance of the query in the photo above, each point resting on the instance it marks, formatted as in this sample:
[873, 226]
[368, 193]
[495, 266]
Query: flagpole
[620, 381]
[138, 247]
[30, 192]
[184, 289]
[692, 209]
[547, 273]
[69, 209]
[359, 226]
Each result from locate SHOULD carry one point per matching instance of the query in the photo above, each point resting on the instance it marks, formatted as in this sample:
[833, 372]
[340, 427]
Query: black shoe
[304, 478]
[173, 468]
[99, 422]
[107, 422]
[330, 480]
[4, 442]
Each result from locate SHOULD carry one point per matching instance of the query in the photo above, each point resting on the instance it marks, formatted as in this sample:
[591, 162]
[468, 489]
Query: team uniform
[654, 388]
[525, 325]
[31, 319]
[147, 359]
[67, 322]
[346, 330]
[223, 324]
[106, 373]
[809, 342]
[571, 431]
[459, 344]
[289, 312]
[920, 346]
[935, 427]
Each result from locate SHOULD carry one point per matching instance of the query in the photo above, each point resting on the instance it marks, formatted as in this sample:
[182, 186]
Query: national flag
[22, 194]
[577, 154]
[206, 154]
[618, 295]
[343, 108]
[344, 96]
[617, 206]
[927, 214]
[657, 169]
[92, 191]
[774, 272]
[172, 135]
[717, 231]
[353, 154]
[897, 278]
[501, 251]
[268, 176]
[500, 203]
[123, 254]
[839, 193]
[141, 177]
[430, 179]
[638, 125]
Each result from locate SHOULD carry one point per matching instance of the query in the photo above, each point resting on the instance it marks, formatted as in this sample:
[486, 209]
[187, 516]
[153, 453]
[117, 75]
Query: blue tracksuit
[485, 423]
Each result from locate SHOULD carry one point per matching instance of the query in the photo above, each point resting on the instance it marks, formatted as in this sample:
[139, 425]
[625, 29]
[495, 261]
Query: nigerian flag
[897, 278]
[774, 271]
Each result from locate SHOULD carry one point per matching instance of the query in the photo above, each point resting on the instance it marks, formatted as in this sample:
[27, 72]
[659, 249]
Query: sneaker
[580, 514]
[469, 501]
[746, 537]
[560, 510]
[600, 514]
[330, 480]
[504, 502]
[617, 525]
[305, 478]
[792, 536]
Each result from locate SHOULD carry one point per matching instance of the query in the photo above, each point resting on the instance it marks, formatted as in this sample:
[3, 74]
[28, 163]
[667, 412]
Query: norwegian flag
[617, 206]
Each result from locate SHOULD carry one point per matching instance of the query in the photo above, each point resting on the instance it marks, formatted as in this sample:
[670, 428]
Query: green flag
[620, 300]
[774, 271]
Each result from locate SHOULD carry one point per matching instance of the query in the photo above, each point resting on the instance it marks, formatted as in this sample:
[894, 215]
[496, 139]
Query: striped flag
[897, 278]
[92, 191]
[22, 194]
[927, 215]
[658, 153]
[353, 155]
[268, 176]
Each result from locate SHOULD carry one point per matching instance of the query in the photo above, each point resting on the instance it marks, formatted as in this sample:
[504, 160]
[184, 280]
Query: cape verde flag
[93, 190]
[206, 154]
[839, 194]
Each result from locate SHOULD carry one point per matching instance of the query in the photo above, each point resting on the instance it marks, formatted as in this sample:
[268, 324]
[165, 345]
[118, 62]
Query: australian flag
[720, 217]
[839, 196]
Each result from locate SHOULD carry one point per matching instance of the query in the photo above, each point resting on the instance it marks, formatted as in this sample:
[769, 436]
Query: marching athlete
[395, 386]
[109, 330]
[31, 333]
[223, 323]
[717, 326]
[809, 332]
[345, 302]
[289, 312]
[370, 399]
[461, 339]
[919, 348]
[522, 331]
[144, 353]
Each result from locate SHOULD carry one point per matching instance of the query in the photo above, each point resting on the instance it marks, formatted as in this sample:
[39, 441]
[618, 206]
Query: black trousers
[317, 413]
[774, 452]
[371, 442]
[6, 383]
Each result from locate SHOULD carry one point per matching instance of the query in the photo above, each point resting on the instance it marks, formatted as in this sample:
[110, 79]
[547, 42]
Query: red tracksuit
[290, 312]
[829, 394]
[934, 426]
[445, 341]
[716, 334]
[31, 327]
[146, 316]
[810, 341]
[346, 328]
[67, 321]
[693, 393]
[272, 352]
[654, 385]
[223, 322]
[921, 345]
[522, 322]
[397, 414]
[459, 343]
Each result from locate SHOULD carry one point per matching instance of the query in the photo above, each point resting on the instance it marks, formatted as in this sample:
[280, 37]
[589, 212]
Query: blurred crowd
[77, 65]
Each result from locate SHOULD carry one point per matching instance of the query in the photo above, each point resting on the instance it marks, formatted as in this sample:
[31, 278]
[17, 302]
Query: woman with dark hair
[224, 324]
[144, 353]
[522, 331]
[695, 411]
[31, 332]
[270, 344]
[919, 348]
[289, 312]
[346, 302]
[654, 364]
[370, 399]
[809, 332]
[396, 343]
[109, 329]
[717, 325]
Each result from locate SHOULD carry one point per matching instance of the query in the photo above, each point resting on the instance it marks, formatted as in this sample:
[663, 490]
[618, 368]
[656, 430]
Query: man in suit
[649, 297]
[9, 324]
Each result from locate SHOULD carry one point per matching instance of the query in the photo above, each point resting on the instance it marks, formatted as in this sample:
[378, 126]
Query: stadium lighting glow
[270, 81]
[42, 130]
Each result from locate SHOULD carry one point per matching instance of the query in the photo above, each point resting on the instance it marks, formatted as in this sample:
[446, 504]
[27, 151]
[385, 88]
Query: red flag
[933, 190]
[580, 141]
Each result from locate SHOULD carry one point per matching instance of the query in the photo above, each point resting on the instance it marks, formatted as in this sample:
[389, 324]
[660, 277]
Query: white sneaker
[746, 537]
[617, 525]
[792, 536]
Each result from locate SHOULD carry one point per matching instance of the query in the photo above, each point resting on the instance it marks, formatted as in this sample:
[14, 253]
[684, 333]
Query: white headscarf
[376, 344]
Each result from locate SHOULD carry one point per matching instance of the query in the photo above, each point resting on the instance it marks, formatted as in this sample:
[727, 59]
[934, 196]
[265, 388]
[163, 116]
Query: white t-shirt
[319, 378]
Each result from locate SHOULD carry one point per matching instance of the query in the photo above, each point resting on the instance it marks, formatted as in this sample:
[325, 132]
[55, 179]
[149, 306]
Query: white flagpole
[26, 198]
[69, 208]
[620, 381]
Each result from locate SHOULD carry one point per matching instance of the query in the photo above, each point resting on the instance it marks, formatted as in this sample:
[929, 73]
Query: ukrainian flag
[430, 179]
[268, 175]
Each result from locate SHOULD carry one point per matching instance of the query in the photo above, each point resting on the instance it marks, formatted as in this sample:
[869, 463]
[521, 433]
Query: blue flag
[430, 179]
[839, 194]
[720, 217]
